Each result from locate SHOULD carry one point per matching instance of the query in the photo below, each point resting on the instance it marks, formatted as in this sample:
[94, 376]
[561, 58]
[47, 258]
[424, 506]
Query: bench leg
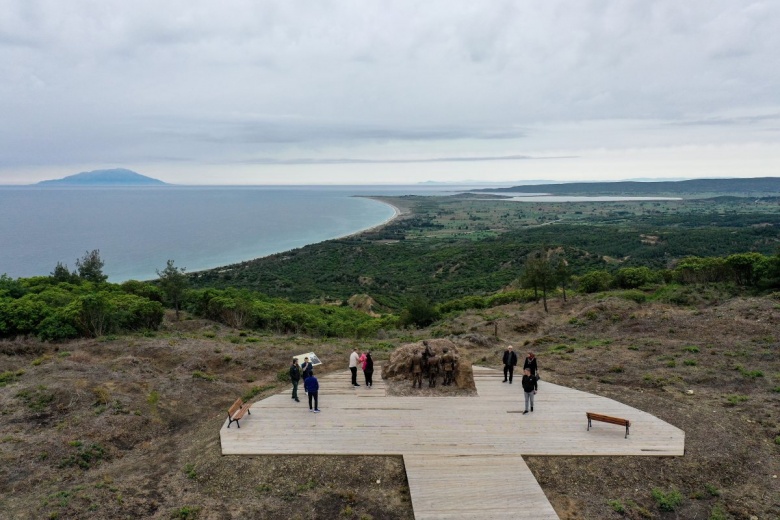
[626, 437]
[588, 423]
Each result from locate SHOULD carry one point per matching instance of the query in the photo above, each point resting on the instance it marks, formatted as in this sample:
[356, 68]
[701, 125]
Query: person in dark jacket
[529, 388]
[307, 370]
[312, 387]
[510, 362]
[530, 364]
[295, 377]
[368, 370]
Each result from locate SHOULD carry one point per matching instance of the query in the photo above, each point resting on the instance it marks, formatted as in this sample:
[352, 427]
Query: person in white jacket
[353, 363]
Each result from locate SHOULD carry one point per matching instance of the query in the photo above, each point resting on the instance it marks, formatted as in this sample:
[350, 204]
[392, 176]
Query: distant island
[700, 187]
[111, 177]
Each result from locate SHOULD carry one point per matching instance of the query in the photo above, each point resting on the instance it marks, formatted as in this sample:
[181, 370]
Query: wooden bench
[237, 411]
[607, 419]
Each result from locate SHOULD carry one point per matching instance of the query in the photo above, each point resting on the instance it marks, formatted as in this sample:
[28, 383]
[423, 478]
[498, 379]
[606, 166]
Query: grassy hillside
[127, 426]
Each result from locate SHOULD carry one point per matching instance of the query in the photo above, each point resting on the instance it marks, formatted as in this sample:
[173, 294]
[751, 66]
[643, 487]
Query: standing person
[416, 369]
[295, 377]
[353, 363]
[368, 370]
[530, 364]
[510, 362]
[529, 388]
[362, 361]
[312, 387]
[307, 370]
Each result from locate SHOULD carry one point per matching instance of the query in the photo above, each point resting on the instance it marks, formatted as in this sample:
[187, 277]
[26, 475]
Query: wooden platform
[463, 455]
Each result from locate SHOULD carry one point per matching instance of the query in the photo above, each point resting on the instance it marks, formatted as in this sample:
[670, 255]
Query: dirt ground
[128, 427]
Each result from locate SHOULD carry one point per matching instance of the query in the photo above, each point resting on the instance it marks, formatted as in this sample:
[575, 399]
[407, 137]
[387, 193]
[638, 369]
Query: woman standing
[368, 369]
[530, 364]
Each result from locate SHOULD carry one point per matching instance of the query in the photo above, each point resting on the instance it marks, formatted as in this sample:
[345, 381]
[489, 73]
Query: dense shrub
[634, 277]
[419, 313]
[241, 309]
[57, 310]
[594, 281]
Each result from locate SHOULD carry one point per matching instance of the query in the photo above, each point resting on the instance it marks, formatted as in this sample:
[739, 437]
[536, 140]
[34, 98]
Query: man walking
[295, 377]
[353, 363]
[510, 362]
[312, 386]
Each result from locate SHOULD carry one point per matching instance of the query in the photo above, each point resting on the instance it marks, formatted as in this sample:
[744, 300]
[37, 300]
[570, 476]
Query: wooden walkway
[463, 455]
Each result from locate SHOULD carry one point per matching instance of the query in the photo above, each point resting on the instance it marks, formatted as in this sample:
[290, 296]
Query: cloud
[86, 83]
[304, 161]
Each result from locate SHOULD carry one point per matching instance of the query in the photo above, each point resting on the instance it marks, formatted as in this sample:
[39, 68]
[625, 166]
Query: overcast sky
[258, 92]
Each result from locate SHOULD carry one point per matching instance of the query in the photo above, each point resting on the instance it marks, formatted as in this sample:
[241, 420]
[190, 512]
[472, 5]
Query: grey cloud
[729, 121]
[303, 161]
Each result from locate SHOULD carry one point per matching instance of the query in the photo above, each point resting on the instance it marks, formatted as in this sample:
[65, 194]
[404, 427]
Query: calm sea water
[138, 229]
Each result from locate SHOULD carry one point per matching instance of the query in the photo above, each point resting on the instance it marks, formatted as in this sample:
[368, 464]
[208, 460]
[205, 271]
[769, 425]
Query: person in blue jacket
[312, 386]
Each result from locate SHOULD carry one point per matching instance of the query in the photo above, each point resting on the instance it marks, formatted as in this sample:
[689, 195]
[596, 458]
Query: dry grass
[128, 427]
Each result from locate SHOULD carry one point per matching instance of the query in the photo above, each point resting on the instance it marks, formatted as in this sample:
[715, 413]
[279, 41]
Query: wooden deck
[463, 455]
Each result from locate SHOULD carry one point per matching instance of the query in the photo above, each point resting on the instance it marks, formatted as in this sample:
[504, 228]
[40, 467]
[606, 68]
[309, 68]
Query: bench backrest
[236, 407]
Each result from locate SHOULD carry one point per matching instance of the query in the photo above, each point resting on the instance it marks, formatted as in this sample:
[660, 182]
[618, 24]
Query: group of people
[530, 375]
[423, 363]
[429, 365]
[363, 359]
[310, 384]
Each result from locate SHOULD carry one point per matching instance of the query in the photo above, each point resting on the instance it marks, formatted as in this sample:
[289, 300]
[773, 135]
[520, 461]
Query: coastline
[398, 212]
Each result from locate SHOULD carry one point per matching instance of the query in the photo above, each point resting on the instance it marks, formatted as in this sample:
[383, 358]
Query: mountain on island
[111, 177]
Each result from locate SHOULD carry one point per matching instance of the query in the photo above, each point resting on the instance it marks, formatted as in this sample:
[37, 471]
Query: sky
[363, 91]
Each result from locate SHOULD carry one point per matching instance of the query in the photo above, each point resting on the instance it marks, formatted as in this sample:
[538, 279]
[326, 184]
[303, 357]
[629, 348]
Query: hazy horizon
[285, 92]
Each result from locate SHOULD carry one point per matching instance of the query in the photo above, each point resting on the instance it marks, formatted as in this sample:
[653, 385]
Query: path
[463, 455]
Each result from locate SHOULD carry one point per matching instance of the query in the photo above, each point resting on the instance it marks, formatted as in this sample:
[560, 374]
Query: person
[448, 365]
[307, 370]
[312, 387]
[368, 369]
[426, 355]
[433, 370]
[530, 364]
[362, 362]
[295, 377]
[416, 369]
[510, 362]
[529, 388]
[353, 363]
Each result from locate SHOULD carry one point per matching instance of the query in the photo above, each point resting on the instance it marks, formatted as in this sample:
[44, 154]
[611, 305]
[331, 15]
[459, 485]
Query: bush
[594, 281]
[633, 295]
[419, 313]
[634, 277]
[667, 501]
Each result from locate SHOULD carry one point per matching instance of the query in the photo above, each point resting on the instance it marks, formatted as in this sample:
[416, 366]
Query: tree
[174, 284]
[90, 267]
[562, 273]
[419, 312]
[540, 273]
[61, 273]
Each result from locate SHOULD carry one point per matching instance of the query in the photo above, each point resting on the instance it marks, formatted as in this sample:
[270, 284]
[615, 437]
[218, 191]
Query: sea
[138, 229]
